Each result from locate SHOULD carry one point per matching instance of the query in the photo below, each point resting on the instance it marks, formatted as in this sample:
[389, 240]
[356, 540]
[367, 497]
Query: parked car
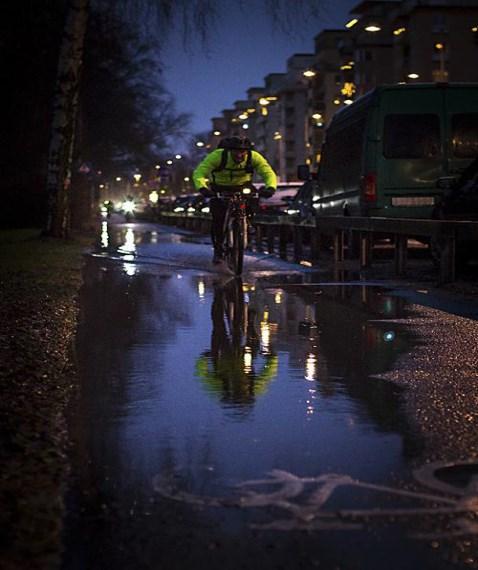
[460, 202]
[278, 204]
[301, 207]
[185, 204]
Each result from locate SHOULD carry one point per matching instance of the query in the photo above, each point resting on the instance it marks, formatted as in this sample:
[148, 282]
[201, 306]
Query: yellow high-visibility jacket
[233, 174]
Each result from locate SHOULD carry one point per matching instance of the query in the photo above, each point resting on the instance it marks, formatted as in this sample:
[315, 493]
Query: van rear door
[411, 158]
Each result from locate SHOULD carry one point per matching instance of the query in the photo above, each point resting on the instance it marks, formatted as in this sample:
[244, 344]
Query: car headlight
[128, 206]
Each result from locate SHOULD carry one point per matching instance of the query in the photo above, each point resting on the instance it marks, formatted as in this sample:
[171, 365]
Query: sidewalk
[39, 280]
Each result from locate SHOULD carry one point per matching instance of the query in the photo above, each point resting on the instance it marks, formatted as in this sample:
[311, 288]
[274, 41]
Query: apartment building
[328, 78]
[385, 41]
[436, 41]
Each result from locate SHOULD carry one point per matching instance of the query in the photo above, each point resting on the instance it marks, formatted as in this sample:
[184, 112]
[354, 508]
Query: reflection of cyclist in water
[235, 368]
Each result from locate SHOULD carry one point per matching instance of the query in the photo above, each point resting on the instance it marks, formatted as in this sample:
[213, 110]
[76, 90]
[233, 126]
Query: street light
[199, 144]
[137, 177]
[309, 73]
[413, 76]
[372, 28]
[351, 23]
[178, 156]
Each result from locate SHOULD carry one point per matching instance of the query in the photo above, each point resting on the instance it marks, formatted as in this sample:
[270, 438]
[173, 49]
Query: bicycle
[236, 227]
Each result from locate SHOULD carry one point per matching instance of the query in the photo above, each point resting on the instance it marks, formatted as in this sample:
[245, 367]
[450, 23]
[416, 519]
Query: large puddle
[217, 416]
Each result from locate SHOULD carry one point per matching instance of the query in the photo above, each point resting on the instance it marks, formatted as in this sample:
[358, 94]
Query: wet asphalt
[281, 420]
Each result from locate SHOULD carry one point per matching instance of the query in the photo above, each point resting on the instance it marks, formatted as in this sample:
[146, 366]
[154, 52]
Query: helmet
[239, 143]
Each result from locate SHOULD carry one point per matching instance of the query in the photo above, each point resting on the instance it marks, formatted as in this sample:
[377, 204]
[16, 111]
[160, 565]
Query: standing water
[226, 422]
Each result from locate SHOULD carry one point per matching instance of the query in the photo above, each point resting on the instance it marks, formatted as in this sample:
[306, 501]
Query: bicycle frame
[235, 229]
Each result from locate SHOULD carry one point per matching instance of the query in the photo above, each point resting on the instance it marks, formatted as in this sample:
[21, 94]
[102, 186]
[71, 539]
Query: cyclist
[226, 170]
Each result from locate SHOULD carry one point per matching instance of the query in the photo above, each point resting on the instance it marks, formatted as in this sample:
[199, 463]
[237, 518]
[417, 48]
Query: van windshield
[411, 136]
[464, 127]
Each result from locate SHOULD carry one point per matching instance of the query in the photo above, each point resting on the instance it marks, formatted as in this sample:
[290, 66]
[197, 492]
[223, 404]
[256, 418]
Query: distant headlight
[179, 209]
[246, 190]
[206, 209]
[191, 209]
[128, 206]
[316, 206]
[292, 212]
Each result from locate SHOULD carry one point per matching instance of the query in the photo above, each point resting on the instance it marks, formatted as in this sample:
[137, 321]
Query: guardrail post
[270, 238]
[447, 259]
[365, 249]
[338, 246]
[283, 235]
[314, 237]
[298, 238]
[259, 228]
[401, 254]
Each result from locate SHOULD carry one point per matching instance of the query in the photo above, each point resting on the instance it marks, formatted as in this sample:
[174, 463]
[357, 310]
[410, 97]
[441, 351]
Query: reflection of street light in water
[247, 359]
[265, 332]
[129, 247]
[104, 234]
[311, 367]
[201, 289]
[265, 336]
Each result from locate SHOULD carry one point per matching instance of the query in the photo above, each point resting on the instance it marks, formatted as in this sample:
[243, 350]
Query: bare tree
[195, 16]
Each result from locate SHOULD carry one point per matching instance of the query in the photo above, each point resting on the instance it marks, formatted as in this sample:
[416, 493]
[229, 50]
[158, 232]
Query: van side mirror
[303, 172]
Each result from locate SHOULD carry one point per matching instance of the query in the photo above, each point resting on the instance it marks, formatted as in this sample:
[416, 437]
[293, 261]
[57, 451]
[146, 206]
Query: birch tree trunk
[65, 108]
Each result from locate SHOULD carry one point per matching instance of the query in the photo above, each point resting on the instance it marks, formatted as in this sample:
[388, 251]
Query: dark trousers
[218, 212]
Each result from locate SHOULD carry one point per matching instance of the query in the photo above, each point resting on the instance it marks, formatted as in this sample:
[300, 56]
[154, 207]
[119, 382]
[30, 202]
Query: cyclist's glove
[267, 192]
[206, 192]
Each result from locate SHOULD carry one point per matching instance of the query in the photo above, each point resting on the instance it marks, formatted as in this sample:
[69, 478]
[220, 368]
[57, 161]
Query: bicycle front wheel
[235, 249]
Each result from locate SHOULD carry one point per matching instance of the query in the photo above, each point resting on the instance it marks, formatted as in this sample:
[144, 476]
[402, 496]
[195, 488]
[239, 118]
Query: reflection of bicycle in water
[238, 367]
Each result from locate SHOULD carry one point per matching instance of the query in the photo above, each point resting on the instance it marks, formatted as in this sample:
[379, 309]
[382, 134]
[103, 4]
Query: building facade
[385, 41]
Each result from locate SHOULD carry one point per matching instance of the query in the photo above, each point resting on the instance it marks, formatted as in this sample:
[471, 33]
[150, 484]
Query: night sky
[243, 49]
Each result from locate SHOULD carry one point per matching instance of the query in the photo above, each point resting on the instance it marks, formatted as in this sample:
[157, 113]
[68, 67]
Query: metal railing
[309, 236]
